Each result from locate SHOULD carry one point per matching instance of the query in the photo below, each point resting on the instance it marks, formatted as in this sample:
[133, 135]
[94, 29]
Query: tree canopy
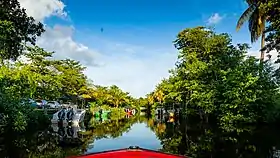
[213, 77]
[216, 78]
[16, 30]
[28, 71]
[213, 80]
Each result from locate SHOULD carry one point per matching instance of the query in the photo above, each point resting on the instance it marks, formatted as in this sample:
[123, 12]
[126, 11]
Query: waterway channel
[178, 136]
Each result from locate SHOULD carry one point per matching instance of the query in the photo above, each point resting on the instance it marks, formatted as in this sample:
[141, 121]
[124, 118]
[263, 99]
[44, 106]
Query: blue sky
[150, 23]
[135, 49]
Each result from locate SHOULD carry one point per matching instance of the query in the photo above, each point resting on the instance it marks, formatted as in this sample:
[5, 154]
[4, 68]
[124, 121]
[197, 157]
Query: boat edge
[131, 148]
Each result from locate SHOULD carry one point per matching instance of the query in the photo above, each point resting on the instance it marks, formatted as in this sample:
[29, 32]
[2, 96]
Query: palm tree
[256, 18]
[118, 97]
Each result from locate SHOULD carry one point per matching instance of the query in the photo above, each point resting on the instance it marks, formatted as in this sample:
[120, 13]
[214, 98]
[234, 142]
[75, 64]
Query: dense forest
[213, 77]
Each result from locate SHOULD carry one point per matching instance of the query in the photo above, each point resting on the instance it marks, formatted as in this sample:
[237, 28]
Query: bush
[115, 113]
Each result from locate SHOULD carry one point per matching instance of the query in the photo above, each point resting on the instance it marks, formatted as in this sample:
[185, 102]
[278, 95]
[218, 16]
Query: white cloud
[214, 19]
[41, 9]
[60, 39]
[119, 64]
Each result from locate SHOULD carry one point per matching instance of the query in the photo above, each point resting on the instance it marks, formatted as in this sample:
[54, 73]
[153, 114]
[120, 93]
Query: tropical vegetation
[28, 71]
[256, 18]
[213, 80]
[216, 79]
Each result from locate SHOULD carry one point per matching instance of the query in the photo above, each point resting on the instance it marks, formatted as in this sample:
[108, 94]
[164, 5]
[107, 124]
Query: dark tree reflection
[179, 136]
[61, 141]
[200, 139]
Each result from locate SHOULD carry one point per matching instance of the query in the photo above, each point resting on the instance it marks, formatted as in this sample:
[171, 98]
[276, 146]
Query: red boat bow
[131, 152]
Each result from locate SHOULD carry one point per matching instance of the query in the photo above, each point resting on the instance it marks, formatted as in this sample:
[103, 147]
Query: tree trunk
[262, 46]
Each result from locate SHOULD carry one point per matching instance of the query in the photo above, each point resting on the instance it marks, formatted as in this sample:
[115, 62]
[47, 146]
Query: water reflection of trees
[61, 141]
[110, 128]
[204, 140]
[181, 136]
[36, 144]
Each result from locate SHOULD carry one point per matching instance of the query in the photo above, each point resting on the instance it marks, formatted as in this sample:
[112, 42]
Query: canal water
[139, 135]
[178, 136]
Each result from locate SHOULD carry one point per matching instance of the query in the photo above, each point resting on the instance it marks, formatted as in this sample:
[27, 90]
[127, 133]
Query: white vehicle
[54, 104]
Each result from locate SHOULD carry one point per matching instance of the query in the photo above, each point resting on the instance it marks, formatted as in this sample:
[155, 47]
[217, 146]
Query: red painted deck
[130, 153]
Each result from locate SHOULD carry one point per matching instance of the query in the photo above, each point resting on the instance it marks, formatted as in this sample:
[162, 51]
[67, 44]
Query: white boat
[69, 115]
[67, 131]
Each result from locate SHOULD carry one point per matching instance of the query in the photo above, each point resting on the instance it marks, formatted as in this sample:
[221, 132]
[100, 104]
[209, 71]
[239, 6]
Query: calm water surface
[138, 135]
[178, 136]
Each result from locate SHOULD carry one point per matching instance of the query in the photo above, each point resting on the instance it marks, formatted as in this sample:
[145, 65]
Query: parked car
[41, 103]
[53, 104]
[29, 101]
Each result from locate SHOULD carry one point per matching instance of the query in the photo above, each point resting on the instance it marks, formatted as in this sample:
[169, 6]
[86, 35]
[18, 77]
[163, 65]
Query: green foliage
[256, 17]
[17, 117]
[213, 77]
[16, 29]
[20, 80]
[115, 113]
[40, 76]
[112, 96]
[216, 78]
[272, 11]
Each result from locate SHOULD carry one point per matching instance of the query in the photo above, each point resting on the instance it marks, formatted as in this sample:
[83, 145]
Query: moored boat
[69, 115]
[131, 152]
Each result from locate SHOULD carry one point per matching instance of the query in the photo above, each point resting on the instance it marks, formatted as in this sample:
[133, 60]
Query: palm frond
[253, 26]
[254, 32]
[256, 25]
[245, 16]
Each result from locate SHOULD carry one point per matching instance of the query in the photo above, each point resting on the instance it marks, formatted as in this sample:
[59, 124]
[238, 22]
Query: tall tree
[72, 77]
[215, 69]
[256, 18]
[16, 29]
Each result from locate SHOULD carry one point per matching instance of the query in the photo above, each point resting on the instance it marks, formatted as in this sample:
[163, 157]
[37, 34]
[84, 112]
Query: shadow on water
[178, 136]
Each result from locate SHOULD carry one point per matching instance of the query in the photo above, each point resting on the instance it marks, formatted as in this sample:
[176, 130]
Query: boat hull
[130, 153]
